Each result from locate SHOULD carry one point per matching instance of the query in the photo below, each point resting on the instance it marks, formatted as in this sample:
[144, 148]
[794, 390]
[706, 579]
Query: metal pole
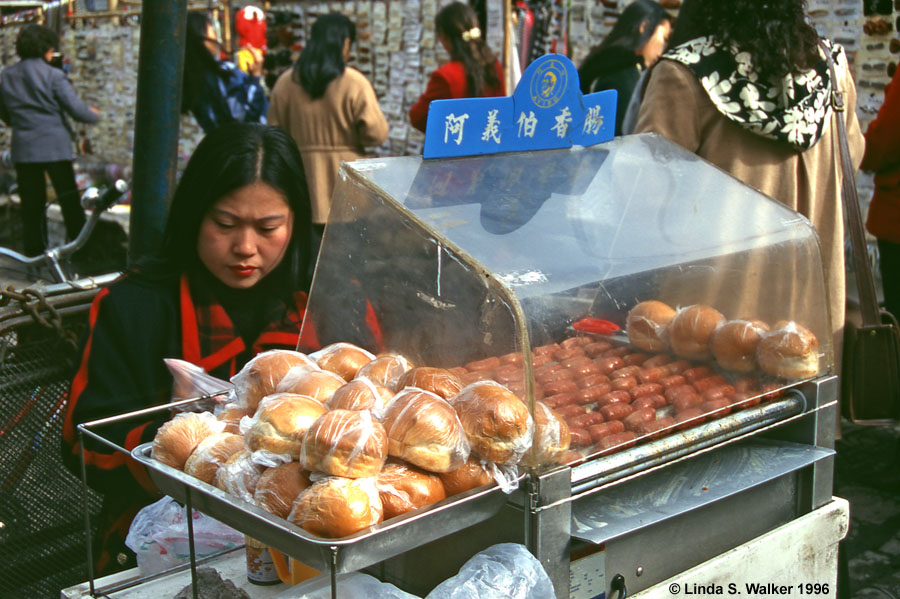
[158, 116]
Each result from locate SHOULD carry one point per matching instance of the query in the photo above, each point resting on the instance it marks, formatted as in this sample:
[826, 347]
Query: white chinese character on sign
[492, 129]
[527, 124]
[562, 122]
[593, 121]
[454, 126]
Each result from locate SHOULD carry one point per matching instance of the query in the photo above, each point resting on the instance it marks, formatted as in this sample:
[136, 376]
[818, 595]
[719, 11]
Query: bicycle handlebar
[93, 200]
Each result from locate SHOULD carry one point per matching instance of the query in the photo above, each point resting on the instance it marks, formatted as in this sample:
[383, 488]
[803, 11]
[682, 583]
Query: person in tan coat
[745, 86]
[329, 109]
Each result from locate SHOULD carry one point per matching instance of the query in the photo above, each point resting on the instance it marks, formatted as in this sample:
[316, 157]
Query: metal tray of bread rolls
[347, 554]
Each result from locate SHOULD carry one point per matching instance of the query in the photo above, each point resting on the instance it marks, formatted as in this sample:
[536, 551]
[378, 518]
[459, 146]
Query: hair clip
[472, 34]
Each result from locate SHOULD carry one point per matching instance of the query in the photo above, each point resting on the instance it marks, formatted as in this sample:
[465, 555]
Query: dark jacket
[612, 68]
[34, 100]
[231, 96]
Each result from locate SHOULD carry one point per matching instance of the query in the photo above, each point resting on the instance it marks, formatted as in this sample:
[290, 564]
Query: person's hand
[255, 68]
[95, 110]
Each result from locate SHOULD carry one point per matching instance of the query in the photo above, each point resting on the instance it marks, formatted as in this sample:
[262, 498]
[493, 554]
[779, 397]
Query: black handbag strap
[865, 282]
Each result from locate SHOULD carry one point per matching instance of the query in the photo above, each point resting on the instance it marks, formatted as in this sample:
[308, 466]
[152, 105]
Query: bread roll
[211, 453]
[439, 381]
[261, 375]
[318, 384]
[239, 475]
[279, 486]
[471, 475]
[403, 487]
[691, 330]
[345, 443]
[232, 413]
[280, 423]
[496, 422]
[359, 394]
[790, 351]
[343, 359]
[424, 430]
[734, 344]
[177, 439]
[385, 370]
[647, 325]
[551, 437]
[336, 507]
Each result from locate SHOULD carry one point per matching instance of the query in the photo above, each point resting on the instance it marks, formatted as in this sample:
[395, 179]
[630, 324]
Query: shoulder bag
[870, 373]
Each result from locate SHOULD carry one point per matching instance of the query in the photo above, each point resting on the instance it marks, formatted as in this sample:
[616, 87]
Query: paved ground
[867, 473]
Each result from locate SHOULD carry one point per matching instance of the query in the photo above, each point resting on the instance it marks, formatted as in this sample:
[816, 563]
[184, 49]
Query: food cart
[528, 259]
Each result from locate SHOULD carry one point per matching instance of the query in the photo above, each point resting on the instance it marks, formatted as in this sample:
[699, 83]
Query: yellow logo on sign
[548, 84]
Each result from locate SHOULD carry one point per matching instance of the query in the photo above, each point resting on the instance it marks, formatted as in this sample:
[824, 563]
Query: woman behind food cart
[749, 90]
[229, 282]
[217, 91]
[635, 43]
[329, 109]
[473, 70]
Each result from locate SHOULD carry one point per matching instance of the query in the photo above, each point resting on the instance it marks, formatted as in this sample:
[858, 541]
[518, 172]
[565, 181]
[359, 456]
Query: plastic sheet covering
[504, 571]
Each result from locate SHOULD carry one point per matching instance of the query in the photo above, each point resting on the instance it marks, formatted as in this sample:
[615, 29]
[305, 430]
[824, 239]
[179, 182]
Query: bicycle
[57, 259]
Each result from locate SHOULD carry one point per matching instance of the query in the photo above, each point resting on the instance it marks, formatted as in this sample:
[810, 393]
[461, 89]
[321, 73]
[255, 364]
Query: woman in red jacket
[473, 70]
[883, 158]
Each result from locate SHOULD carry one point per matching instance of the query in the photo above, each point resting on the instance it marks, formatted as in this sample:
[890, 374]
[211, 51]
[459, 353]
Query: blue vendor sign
[546, 111]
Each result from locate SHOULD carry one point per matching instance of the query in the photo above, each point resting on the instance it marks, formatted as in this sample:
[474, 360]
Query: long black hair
[636, 24]
[230, 157]
[479, 61]
[34, 41]
[322, 59]
[775, 33]
[199, 63]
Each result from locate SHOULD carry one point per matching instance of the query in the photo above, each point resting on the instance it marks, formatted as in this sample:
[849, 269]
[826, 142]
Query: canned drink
[260, 567]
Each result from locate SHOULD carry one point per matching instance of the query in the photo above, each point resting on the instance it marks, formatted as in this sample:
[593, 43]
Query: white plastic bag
[504, 571]
[352, 584]
[159, 536]
[190, 381]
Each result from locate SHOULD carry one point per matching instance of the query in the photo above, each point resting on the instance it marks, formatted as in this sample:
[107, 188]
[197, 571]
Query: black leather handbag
[870, 372]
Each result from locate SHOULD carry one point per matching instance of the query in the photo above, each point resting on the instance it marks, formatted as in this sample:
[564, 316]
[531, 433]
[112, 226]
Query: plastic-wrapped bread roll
[280, 423]
[789, 351]
[318, 384]
[260, 376]
[439, 381]
[211, 453]
[647, 325]
[385, 369]
[360, 394]
[424, 430]
[403, 488]
[551, 437]
[335, 507]
[691, 330]
[279, 486]
[496, 422]
[343, 359]
[345, 443]
[177, 439]
[239, 475]
[232, 414]
[734, 344]
[471, 475]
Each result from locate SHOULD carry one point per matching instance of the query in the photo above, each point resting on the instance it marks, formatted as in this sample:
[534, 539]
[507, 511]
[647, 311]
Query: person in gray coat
[35, 98]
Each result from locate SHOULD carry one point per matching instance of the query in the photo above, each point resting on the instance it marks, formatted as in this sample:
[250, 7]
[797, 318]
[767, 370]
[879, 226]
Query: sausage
[698, 372]
[624, 384]
[574, 361]
[579, 437]
[508, 373]
[720, 392]
[458, 370]
[747, 383]
[586, 370]
[616, 351]
[592, 394]
[545, 349]
[678, 366]
[673, 393]
[478, 375]
[616, 411]
[586, 420]
[657, 360]
[598, 431]
[653, 375]
[577, 341]
[673, 380]
[560, 386]
[687, 401]
[512, 358]
[657, 428]
[658, 400]
[637, 418]
[716, 407]
[644, 402]
[560, 399]
[646, 389]
[571, 456]
[621, 440]
[635, 359]
[709, 382]
[486, 364]
[564, 353]
[554, 376]
[688, 418]
[592, 350]
[568, 411]
[591, 380]
[614, 397]
[607, 365]
[541, 360]
[625, 371]
[745, 399]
